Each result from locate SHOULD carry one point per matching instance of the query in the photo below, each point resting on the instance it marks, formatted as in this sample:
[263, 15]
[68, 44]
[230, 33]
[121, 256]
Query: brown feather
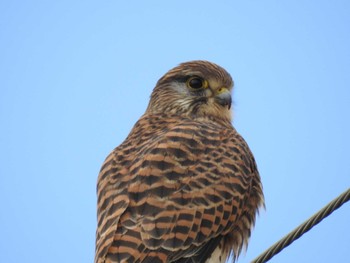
[179, 181]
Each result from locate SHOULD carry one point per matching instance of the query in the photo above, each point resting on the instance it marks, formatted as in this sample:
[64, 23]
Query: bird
[184, 185]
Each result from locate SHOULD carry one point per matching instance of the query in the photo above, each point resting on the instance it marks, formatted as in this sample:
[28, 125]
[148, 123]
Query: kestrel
[183, 186]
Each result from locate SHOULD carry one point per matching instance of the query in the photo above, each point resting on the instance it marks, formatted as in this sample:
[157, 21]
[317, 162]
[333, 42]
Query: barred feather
[183, 186]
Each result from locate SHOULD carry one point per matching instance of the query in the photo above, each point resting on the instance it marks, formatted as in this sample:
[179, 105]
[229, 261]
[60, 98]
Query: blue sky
[76, 75]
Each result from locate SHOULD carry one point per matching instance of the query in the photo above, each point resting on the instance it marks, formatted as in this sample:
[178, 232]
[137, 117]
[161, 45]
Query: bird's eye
[196, 83]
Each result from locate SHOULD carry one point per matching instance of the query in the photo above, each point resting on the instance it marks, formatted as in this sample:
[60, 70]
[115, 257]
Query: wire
[303, 228]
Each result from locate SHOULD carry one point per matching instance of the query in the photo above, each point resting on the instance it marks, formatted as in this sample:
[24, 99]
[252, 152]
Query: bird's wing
[112, 202]
[181, 190]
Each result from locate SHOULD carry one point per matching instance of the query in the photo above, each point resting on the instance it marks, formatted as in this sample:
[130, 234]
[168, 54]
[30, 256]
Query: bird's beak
[223, 97]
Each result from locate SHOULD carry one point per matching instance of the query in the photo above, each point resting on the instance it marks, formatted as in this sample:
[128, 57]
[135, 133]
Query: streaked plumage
[183, 186]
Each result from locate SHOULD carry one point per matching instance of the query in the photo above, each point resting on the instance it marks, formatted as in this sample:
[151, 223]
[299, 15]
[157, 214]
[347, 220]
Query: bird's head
[196, 89]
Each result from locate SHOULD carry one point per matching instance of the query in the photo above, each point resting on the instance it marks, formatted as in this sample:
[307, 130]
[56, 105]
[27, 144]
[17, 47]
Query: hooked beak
[223, 97]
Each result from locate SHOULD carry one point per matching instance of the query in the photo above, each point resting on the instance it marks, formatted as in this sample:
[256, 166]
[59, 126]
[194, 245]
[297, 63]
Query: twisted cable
[303, 228]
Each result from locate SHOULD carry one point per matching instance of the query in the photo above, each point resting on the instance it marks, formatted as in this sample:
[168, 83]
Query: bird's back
[175, 190]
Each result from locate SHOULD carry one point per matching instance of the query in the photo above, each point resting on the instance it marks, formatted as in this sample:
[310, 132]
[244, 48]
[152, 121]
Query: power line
[303, 228]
